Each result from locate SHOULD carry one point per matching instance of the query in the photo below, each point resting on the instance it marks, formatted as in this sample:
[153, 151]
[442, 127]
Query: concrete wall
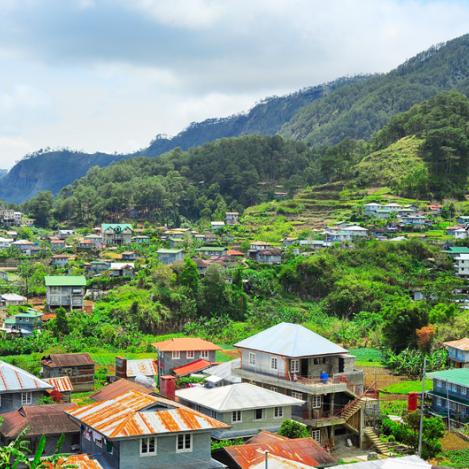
[166, 363]
[82, 377]
[12, 401]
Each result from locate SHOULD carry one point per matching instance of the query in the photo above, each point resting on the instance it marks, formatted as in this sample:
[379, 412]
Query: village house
[458, 231]
[174, 353]
[146, 432]
[79, 367]
[461, 265]
[293, 360]
[97, 267]
[283, 452]
[60, 260]
[122, 269]
[231, 218]
[95, 240]
[269, 256]
[416, 220]
[12, 299]
[345, 233]
[65, 234]
[49, 420]
[10, 217]
[135, 370]
[170, 256]
[259, 245]
[85, 245]
[129, 256]
[450, 394]
[26, 247]
[65, 290]
[118, 387]
[455, 251]
[116, 234]
[57, 244]
[5, 243]
[463, 219]
[217, 225]
[211, 251]
[24, 322]
[140, 239]
[177, 243]
[62, 388]
[458, 352]
[247, 408]
[18, 388]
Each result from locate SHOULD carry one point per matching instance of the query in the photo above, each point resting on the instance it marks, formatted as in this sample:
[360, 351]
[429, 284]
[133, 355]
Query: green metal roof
[65, 280]
[454, 376]
[169, 251]
[118, 227]
[31, 313]
[211, 248]
[458, 250]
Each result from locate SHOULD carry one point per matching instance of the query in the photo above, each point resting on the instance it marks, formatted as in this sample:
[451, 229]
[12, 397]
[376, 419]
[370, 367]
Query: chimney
[168, 387]
[121, 367]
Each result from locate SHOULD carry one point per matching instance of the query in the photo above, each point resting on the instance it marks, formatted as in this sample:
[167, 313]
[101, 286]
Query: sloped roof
[40, 420]
[65, 280]
[461, 344]
[117, 388]
[117, 227]
[225, 370]
[290, 340]
[192, 367]
[136, 414]
[143, 366]
[67, 359]
[61, 383]
[296, 453]
[13, 379]
[237, 396]
[13, 297]
[454, 375]
[185, 344]
[80, 461]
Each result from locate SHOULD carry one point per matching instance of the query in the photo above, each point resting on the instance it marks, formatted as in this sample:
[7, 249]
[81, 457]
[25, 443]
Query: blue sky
[109, 75]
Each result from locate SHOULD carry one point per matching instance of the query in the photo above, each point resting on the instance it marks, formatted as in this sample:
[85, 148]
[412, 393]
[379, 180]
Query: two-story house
[170, 256]
[141, 431]
[450, 394]
[116, 234]
[18, 388]
[231, 218]
[458, 352]
[174, 353]
[290, 359]
[65, 290]
[79, 367]
[24, 323]
[246, 407]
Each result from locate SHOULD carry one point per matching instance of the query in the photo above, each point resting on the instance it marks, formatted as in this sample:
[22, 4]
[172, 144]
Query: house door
[304, 367]
[341, 365]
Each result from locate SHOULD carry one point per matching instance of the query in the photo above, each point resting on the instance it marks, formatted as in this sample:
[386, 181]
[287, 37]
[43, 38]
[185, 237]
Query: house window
[148, 446]
[176, 355]
[274, 363]
[439, 402]
[26, 398]
[463, 391]
[273, 388]
[316, 434]
[297, 395]
[316, 402]
[252, 358]
[278, 412]
[204, 354]
[236, 416]
[295, 366]
[258, 414]
[190, 354]
[184, 443]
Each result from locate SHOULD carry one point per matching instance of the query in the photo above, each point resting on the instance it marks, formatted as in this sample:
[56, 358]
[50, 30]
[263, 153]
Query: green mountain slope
[360, 109]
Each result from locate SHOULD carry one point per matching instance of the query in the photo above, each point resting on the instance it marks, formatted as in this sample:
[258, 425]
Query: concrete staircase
[382, 448]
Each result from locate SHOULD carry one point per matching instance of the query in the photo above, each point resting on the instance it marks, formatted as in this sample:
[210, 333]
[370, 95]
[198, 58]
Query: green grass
[367, 356]
[457, 458]
[404, 387]
[393, 407]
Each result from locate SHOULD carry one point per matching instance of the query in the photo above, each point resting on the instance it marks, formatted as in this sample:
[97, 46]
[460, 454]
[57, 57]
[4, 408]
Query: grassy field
[404, 387]
[367, 356]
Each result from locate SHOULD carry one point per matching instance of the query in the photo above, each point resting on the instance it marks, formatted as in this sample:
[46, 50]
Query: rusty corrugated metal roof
[192, 367]
[136, 414]
[67, 359]
[117, 388]
[13, 379]
[40, 419]
[79, 461]
[306, 451]
[61, 383]
[184, 344]
[143, 366]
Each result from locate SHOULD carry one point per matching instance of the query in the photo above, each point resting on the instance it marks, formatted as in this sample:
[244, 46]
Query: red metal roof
[137, 414]
[192, 367]
[184, 344]
[301, 450]
[234, 252]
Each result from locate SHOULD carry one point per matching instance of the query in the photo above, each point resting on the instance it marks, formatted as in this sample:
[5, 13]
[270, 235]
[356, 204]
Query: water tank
[324, 377]
[412, 401]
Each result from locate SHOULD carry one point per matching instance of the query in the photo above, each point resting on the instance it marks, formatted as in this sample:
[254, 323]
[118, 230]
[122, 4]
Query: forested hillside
[361, 108]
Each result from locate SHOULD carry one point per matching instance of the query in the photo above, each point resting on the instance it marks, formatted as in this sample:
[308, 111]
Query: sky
[109, 75]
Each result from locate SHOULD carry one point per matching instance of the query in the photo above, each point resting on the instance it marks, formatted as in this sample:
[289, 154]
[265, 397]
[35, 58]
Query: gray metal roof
[236, 397]
[225, 371]
[404, 462]
[290, 340]
[14, 379]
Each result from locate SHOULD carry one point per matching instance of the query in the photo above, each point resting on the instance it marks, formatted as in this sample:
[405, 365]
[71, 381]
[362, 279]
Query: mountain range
[348, 108]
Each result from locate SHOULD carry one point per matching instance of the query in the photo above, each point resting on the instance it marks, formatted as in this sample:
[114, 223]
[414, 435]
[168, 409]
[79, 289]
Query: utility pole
[422, 399]
[266, 454]
[448, 407]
